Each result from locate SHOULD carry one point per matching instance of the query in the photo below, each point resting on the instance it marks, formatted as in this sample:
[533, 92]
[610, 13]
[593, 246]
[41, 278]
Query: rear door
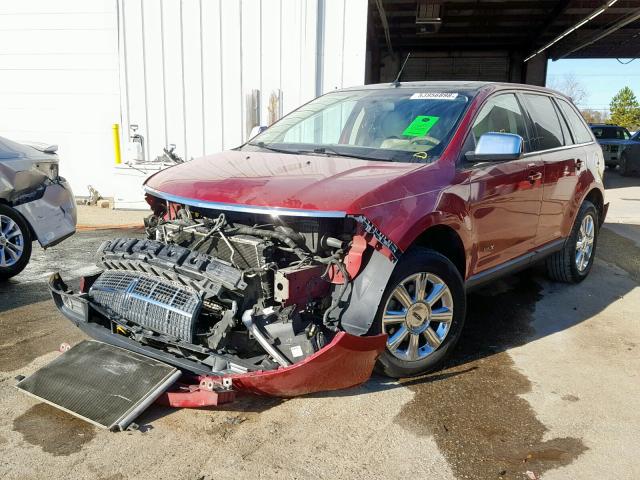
[561, 147]
[505, 197]
[562, 158]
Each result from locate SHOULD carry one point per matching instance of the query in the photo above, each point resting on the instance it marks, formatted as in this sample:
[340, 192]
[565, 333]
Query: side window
[501, 114]
[548, 131]
[623, 134]
[576, 123]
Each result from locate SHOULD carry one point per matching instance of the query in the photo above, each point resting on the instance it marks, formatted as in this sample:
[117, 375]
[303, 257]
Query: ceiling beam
[549, 20]
[599, 36]
[385, 25]
[391, 8]
[598, 11]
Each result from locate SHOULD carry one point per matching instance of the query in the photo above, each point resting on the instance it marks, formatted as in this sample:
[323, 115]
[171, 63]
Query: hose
[247, 320]
[217, 225]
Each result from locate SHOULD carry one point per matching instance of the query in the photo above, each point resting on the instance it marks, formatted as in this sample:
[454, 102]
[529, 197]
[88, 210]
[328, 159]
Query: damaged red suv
[348, 233]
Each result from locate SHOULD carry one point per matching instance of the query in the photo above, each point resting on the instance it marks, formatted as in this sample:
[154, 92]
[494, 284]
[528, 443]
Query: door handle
[534, 177]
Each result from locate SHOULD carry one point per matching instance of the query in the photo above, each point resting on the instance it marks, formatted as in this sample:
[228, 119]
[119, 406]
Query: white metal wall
[59, 81]
[188, 67]
[180, 69]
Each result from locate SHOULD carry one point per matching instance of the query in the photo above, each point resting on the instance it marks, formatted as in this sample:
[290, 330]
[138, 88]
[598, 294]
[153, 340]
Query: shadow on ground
[613, 180]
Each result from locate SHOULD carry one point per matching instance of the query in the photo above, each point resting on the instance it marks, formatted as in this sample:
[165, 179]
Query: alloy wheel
[417, 316]
[11, 242]
[584, 244]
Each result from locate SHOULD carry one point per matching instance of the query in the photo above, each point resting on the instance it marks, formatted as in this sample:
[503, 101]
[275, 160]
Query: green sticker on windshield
[420, 126]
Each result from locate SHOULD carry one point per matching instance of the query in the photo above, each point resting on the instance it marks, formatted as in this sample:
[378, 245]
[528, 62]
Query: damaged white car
[36, 203]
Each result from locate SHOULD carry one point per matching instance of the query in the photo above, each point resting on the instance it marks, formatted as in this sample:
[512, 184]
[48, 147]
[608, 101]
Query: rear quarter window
[581, 132]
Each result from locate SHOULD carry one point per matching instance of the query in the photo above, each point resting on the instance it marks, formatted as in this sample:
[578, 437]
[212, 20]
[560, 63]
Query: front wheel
[422, 311]
[15, 243]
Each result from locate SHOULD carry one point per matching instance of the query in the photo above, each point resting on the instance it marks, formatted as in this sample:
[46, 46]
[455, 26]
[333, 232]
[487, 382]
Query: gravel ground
[545, 379]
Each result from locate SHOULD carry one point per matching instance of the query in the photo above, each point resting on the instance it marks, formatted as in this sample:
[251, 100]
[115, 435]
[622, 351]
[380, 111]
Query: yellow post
[116, 143]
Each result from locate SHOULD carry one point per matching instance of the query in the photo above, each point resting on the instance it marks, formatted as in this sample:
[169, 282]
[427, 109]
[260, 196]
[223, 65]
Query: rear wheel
[573, 263]
[15, 243]
[422, 311]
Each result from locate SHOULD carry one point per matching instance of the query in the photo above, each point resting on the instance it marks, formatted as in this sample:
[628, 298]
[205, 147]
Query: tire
[625, 168]
[435, 340]
[15, 242]
[566, 265]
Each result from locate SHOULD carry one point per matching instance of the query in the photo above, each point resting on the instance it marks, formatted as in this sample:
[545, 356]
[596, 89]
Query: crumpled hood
[277, 180]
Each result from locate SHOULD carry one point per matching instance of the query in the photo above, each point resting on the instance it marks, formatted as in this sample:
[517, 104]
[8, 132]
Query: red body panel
[192, 396]
[346, 362]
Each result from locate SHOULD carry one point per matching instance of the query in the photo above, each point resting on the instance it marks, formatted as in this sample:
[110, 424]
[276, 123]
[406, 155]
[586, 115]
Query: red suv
[367, 211]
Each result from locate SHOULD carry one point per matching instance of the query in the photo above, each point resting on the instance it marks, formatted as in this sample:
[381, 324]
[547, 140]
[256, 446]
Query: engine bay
[235, 291]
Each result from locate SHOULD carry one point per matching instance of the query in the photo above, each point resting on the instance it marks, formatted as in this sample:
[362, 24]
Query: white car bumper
[52, 217]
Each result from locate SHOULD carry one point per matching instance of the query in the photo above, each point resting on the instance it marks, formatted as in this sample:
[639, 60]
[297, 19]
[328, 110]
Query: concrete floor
[94, 217]
[545, 380]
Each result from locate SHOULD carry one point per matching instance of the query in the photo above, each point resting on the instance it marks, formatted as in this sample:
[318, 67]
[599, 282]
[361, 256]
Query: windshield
[395, 124]
[611, 133]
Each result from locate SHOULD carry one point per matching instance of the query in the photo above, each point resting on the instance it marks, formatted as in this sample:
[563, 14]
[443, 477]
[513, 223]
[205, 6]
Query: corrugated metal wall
[201, 73]
[59, 82]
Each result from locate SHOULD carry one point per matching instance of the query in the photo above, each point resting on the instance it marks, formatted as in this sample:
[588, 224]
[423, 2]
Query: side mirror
[258, 129]
[497, 147]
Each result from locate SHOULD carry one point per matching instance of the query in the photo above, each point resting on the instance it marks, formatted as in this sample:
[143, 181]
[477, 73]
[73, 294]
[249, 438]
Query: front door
[505, 197]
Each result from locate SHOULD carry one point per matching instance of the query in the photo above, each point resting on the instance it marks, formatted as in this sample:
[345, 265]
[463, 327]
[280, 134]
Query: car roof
[604, 125]
[470, 85]
[459, 85]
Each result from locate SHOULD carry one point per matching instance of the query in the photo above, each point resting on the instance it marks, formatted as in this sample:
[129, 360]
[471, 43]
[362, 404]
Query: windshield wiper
[273, 149]
[315, 151]
[325, 150]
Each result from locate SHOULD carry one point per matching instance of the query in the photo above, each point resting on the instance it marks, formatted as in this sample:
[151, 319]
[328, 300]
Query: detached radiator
[148, 301]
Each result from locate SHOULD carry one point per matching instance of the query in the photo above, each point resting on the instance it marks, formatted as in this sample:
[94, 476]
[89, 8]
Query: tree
[571, 87]
[595, 116]
[625, 110]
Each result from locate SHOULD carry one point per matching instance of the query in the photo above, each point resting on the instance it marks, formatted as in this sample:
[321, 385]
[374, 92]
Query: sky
[601, 78]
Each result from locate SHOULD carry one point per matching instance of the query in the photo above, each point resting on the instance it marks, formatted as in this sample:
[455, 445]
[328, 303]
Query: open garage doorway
[494, 40]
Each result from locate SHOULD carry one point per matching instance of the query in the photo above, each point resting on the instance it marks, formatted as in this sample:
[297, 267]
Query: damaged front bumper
[345, 362]
[52, 216]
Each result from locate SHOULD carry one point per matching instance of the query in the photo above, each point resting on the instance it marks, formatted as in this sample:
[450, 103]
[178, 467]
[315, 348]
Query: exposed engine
[235, 291]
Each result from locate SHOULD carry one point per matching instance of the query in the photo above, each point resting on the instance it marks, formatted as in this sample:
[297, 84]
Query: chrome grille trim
[236, 207]
[151, 302]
